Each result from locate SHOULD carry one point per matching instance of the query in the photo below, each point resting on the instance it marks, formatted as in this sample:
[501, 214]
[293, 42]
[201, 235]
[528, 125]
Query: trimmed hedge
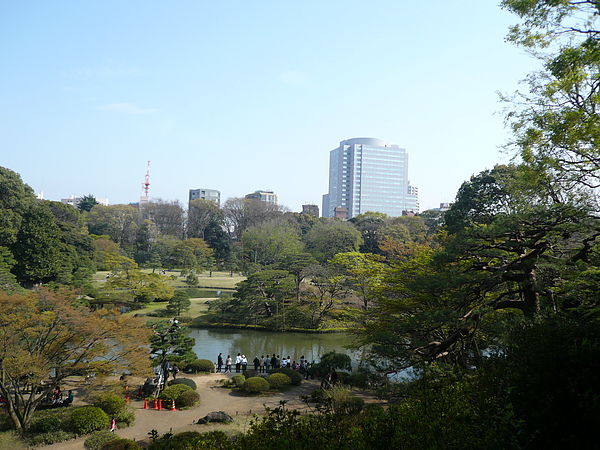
[121, 444]
[89, 418]
[279, 380]
[187, 381]
[111, 404]
[98, 439]
[187, 399]
[47, 424]
[256, 385]
[200, 365]
[293, 374]
[173, 392]
[238, 380]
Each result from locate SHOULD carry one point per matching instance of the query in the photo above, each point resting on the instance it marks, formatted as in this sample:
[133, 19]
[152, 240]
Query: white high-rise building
[367, 174]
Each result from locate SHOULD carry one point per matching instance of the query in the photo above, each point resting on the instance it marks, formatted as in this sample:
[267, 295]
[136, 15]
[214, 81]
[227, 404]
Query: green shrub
[46, 425]
[111, 404]
[249, 373]
[187, 381]
[318, 395]
[256, 384]
[201, 365]
[121, 444]
[238, 380]
[293, 374]
[125, 417]
[49, 438]
[353, 405]
[173, 392]
[88, 418]
[98, 439]
[279, 380]
[187, 399]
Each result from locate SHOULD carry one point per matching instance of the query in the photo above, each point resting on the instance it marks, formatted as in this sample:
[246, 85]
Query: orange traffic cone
[145, 403]
[155, 403]
[127, 397]
[160, 404]
[173, 406]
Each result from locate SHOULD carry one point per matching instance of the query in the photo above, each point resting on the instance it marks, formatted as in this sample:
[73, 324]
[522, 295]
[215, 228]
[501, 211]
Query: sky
[249, 95]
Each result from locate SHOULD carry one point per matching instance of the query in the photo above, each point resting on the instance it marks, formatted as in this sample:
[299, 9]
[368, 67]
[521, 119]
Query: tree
[329, 237]
[556, 126]
[86, 203]
[119, 222]
[369, 224]
[327, 289]
[179, 303]
[37, 247]
[242, 213]
[297, 264]
[170, 342]
[267, 243]
[201, 214]
[47, 336]
[15, 199]
[364, 271]
[167, 217]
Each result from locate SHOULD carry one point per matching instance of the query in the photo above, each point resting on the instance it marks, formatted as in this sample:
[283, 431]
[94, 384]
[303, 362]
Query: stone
[216, 416]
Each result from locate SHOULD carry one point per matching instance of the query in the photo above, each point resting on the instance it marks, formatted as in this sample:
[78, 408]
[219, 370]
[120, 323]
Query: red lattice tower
[146, 183]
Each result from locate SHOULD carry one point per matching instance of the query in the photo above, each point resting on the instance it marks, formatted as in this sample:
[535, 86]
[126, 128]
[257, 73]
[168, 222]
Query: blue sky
[246, 95]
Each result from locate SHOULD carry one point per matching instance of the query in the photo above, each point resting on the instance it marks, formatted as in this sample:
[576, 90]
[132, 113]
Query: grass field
[217, 280]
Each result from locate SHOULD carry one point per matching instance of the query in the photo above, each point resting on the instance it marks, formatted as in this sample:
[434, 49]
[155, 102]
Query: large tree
[47, 336]
[329, 237]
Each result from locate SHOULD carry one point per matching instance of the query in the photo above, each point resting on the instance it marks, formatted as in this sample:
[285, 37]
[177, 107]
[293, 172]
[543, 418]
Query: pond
[211, 342]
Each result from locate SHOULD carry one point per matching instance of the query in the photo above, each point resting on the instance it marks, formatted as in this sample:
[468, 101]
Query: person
[219, 362]
[261, 364]
[113, 425]
[334, 376]
[256, 363]
[238, 362]
[57, 395]
[284, 362]
[228, 362]
[175, 371]
[69, 399]
[268, 363]
[244, 363]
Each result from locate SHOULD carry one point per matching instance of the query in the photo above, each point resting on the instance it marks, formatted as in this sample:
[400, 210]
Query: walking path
[213, 398]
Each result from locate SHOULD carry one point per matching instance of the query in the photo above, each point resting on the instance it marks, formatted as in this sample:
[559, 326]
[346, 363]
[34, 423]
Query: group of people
[262, 364]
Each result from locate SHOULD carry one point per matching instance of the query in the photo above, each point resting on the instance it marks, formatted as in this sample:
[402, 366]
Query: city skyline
[238, 97]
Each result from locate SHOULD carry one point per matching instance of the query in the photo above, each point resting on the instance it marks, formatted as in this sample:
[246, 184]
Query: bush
[187, 399]
[121, 444]
[238, 380]
[125, 417]
[279, 380]
[294, 375]
[200, 365]
[318, 396]
[49, 438]
[98, 439]
[173, 392]
[255, 385]
[89, 418]
[187, 381]
[249, 373]
[46, 425]
[353, 405]
[111, 404]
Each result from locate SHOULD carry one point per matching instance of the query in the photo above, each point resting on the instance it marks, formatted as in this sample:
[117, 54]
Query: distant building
[340, 212]
[367, 174]
[74, 201]
[264, 196]
[312, 210]
[205, 194]
[443, 207]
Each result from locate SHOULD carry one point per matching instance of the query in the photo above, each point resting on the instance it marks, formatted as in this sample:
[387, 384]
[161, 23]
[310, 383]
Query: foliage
[364, 272]
[110, 403]
[121, 444]
[173, 392]
[334, 360]
[187, 399]
[256, 385]
[86, 419]
[238, 380]
[170, 342]
[43, 330]
[46, 425]
[187, 381]
[179, 303]
[86, 203]
[293, 374]
[201, 365]
[212, 440]
[279, 380]
[329, 237]
[98, 439]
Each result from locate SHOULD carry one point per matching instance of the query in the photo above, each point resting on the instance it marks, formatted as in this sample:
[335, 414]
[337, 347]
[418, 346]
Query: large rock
[216, 416]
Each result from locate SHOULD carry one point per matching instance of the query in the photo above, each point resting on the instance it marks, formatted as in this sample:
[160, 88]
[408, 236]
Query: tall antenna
[146, 186]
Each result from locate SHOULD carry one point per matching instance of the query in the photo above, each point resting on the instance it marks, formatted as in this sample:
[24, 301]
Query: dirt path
[213, 398]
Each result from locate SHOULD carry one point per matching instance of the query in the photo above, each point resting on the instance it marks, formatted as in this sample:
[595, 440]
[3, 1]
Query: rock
[216, 416]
